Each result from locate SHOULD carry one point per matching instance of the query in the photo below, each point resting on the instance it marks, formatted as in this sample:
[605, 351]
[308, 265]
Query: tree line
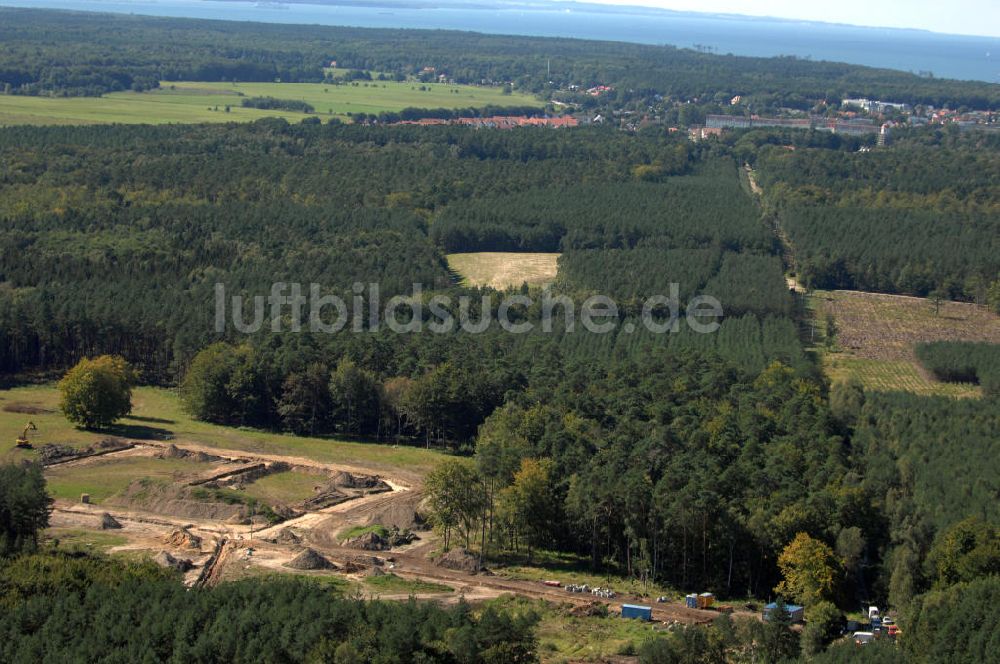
[78, 53]
[963, 362]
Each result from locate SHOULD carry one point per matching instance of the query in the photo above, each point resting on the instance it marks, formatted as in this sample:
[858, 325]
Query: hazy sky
[962, 17]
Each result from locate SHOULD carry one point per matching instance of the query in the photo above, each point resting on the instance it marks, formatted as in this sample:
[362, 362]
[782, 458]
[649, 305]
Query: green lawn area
[85, 539]
[193, 101]
[105, 478]
[286, 488]
[157, 415]
[390, 584]
[504, 269]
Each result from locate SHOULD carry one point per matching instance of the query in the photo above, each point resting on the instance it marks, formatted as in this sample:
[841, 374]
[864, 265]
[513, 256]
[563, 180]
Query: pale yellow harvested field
[503, 270]
[877, 334]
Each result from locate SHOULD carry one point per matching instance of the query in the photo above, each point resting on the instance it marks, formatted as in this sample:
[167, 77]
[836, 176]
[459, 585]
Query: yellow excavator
[24, 441]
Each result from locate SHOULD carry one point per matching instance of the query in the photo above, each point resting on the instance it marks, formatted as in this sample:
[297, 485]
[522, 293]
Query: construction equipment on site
[24, 440]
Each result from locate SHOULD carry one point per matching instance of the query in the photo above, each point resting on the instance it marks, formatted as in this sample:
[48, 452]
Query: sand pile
[309, 559]
[183, 538]
[459, 559]
[286, 536]
[348, 481]
[171, 451]
[167, 560]
[368, 542]
[402, 514]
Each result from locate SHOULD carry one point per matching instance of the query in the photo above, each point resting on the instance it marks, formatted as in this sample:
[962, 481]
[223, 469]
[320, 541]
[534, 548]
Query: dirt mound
[593, 609]
[53, 452]
[367, 561]
[459, 559]
[309, 559]
[286, 536]
[403, 512]
[346, 480]
[27, 409]
[177, 501]
[182, 538]
[369, 542]
[109, 522]
[326, 498]
[375, 571]
[167, 560]
[171, 451]
[351, 567]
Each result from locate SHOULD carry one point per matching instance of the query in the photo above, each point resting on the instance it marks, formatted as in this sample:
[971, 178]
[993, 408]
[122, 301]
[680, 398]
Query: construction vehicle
[24, 440]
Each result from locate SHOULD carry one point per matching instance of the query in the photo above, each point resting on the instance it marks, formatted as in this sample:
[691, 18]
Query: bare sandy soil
[235, 550]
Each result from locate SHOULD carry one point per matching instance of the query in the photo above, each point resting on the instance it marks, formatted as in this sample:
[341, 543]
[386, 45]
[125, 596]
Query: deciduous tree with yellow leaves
[810, 569]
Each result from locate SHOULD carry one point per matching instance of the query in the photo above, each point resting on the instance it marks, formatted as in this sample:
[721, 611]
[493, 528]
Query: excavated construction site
[216, 515]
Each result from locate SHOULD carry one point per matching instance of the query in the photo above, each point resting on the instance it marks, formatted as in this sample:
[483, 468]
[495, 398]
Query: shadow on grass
[138, 431]
[152, 420]
[554, 561]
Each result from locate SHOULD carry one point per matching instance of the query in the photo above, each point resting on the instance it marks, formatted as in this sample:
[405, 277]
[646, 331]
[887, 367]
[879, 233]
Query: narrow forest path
[773, 222]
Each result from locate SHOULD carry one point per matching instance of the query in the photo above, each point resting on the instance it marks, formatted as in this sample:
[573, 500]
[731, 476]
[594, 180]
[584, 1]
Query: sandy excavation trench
[190, 503]
[309, 541]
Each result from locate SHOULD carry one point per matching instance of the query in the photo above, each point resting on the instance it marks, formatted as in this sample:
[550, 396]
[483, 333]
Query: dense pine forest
[963, 362]
[709, 461]
[921, 218]
[71, 606]
[98, 217]
[67, 53]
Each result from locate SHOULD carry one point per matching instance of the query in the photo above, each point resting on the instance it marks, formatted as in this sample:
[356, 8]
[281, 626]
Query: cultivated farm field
[193, 101]
[503, 270]
[876, 335]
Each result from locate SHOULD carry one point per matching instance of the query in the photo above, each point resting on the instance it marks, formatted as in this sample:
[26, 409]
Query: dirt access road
[234, 550]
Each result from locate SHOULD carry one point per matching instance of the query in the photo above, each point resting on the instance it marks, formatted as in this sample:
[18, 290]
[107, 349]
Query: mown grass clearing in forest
[390, 584]
[503, 270]
[105, 477]
[876, 334]
[157, 415]
[195, 101]
[85, 539]
[285, 488]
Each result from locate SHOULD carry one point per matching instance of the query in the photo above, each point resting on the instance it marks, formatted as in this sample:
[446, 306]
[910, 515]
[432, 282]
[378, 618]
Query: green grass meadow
[194, 102]
[157, 415]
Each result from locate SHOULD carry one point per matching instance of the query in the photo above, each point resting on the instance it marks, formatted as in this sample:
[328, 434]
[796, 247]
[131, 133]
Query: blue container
[691, 601]
[637, 612]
